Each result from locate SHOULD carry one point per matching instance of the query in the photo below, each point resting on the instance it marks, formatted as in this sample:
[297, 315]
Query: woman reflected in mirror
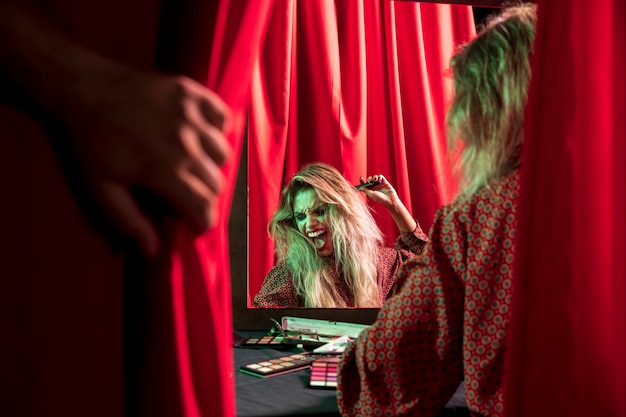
[330, 251]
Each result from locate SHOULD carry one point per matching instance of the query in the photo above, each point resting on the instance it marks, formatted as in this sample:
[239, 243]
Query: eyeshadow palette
[275, 341]
[324, 373]
[278, 366]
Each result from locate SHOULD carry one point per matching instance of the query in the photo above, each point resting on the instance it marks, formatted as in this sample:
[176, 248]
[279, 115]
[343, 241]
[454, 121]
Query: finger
[203, 166]
[215, 110]
[209, 173]
[211, 105]
[215, 144]
[128, 218]
[191, 197]
[373, 195]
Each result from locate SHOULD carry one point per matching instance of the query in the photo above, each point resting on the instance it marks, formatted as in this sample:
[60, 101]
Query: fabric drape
[359, 85]
[569, 321]
[190, 290]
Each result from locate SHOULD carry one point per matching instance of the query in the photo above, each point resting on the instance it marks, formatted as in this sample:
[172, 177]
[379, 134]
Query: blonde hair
[355, 235]
[491, 76]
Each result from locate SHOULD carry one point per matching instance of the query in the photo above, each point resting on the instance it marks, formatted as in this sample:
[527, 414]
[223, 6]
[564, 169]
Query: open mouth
[318, 238]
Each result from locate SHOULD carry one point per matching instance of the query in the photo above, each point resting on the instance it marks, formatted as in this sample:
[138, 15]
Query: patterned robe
[447, 320]
[278, 291]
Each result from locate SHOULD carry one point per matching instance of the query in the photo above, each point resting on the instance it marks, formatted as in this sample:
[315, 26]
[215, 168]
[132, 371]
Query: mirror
[245, 318]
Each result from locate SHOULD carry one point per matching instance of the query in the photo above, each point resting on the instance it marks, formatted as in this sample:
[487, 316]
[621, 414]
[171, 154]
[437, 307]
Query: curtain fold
[569, 321]
[194, 355]
[359, 85]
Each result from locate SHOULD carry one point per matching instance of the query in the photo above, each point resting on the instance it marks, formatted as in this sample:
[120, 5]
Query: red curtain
[198, 280]
[569, 320]
[359, 85]
[89, 332]
[191, 289]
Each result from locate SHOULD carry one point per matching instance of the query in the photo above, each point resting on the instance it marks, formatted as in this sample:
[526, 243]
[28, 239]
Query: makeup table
[290, 394]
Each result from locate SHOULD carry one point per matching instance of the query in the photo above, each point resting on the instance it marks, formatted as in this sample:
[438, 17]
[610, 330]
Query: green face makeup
[311, 217]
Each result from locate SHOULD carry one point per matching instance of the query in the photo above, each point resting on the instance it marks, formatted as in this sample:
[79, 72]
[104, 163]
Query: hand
[125, 129]
[161, 133]
[385, 194]
[382, 193]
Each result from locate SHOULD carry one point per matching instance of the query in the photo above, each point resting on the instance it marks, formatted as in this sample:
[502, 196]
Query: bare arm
[127, 128]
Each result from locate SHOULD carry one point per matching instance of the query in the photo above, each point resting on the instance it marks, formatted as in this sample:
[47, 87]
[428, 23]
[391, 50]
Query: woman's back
[450, 314]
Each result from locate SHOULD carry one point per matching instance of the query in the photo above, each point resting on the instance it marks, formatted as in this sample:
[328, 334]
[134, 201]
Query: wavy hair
[355, 234]
[491, 75]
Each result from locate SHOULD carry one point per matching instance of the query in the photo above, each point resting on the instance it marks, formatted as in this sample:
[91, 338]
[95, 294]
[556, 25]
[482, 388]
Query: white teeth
[317, 240]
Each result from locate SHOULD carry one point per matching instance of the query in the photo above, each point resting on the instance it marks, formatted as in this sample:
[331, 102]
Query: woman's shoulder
[499, 190]
[497, 199]
[504, 187]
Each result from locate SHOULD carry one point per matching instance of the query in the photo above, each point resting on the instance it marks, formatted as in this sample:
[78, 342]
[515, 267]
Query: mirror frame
[246, 318]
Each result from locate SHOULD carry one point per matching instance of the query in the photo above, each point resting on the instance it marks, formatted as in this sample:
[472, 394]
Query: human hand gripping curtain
[162, 133]
[125, 128]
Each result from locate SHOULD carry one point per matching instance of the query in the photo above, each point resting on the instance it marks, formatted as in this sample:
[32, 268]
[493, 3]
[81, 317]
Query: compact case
[315, 333]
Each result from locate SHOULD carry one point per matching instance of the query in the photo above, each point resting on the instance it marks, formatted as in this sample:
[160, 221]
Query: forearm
[401, 216]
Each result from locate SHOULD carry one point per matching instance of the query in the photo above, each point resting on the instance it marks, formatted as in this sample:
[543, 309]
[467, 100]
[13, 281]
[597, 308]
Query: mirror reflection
[365, 95]
[330, 251]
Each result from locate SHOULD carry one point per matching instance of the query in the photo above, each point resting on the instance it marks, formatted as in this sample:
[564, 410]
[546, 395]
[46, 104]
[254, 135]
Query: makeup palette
[278, 366]
[324, 373]
[275, 341]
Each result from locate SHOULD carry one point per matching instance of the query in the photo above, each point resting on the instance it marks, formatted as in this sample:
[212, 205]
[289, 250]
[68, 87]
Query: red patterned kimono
[278, 290]
[447, 320]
